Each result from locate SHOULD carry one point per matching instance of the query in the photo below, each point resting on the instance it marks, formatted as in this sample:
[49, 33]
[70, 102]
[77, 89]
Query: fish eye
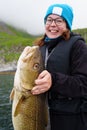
[36, 66]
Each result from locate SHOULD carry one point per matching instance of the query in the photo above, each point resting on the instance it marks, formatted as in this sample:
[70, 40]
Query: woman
[65, 75]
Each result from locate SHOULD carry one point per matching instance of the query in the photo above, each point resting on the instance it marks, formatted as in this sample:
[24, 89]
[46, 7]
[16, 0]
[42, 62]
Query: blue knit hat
[63, 10]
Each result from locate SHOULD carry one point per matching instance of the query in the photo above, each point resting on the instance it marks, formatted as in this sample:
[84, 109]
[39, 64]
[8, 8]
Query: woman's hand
[43, 83]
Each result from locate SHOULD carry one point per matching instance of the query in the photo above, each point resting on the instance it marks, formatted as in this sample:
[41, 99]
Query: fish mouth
[29, 52]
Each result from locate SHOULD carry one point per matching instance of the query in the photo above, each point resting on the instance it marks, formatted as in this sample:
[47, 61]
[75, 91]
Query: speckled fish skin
[29, 112]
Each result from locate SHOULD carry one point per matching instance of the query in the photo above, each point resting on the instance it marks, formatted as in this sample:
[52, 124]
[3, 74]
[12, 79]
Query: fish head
[30, 65]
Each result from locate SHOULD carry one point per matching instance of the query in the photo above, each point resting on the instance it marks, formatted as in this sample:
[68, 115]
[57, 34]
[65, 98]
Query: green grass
[13, 41]
[83, 32]
[11, 45]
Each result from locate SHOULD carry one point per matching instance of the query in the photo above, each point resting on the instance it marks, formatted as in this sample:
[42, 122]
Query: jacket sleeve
[75, 84]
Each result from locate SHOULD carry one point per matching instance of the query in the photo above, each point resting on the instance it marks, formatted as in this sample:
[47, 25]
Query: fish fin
[12, 94]
[18, 104]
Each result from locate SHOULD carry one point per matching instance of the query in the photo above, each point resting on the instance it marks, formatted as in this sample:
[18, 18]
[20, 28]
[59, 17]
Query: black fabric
[68, 66]
[65, 121]
[68, 94]
[67, 105]
[60, 54]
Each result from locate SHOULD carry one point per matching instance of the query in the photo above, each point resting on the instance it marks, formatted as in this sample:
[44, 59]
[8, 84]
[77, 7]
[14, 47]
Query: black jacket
[73, 84]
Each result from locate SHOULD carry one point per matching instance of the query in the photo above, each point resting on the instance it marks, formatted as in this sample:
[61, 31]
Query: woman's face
[55, 26]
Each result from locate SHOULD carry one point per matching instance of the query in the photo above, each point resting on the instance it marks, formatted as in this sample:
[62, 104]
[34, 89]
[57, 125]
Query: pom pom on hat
[63, 10]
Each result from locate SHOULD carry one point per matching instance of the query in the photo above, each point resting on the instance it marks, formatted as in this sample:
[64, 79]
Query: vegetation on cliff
[13, 41]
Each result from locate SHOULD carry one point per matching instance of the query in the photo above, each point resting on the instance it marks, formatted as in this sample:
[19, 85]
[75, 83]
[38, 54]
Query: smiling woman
[65, 78]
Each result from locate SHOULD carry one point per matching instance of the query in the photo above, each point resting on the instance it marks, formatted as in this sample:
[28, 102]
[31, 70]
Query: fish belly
[32, 114]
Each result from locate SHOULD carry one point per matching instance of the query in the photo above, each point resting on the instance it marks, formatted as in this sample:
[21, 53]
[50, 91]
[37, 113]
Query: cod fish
[29, 112]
